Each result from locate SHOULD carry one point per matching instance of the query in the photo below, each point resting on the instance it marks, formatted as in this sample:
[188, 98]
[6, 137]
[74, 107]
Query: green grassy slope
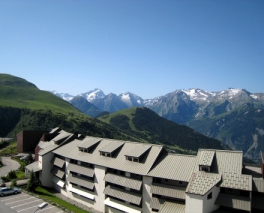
[24, 107]
[19, 93]
[154, 129]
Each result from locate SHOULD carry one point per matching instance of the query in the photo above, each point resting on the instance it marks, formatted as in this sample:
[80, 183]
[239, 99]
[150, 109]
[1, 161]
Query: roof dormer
[110, 149]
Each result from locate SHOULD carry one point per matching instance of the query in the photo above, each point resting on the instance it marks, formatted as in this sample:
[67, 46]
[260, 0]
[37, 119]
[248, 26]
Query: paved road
[9, 165]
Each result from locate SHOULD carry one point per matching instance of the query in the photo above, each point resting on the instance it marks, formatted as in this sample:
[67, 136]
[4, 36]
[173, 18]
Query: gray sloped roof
[205, 157]
[54, 130]
[34, 167]
[81, 181]
[233, 201]
[81, 169]
[168, 207]
[119, 161]
[111, 147]
[174, 167]
[123, 194]
[123, 181]
[48, 149]
[237, 181]
[201, 182]
[228, 162]
[168, 190]
[89, 142]
[139, 150]
[62, 135]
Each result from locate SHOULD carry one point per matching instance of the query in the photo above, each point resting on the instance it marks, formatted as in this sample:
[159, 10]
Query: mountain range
[233, 116]
[25, 107]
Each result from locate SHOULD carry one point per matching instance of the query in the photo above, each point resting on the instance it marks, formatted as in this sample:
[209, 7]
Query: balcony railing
[168, 190]
[123, 181]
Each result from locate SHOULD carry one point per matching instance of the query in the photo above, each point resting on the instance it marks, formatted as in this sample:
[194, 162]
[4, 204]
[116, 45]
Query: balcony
[122, 206]
[156, 203]
[81, 170]
[258, 185]
[58, 162]
[233, 201]
[123, 181]
[123, 194]
[58, 181]
[89, 184]
[168, 190]
[58, 172]
[81, 191]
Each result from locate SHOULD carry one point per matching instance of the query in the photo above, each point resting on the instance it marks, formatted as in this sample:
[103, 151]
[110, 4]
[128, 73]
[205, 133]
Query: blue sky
[149, 48]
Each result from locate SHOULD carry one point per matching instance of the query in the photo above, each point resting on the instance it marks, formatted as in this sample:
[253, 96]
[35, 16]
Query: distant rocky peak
[93, 95]
[196, 94]
[131, 99]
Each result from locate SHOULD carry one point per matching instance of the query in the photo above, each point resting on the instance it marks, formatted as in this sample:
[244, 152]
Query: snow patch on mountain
[254, 96]
[64, 96]
[198, 94]
[93, 95]
[131, 99]
[229, 94]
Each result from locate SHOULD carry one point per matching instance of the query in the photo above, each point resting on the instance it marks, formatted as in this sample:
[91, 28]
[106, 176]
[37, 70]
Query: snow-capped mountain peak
[229, 93]
[93, 94]
[64, 96]
[131, 99]
[198, 94]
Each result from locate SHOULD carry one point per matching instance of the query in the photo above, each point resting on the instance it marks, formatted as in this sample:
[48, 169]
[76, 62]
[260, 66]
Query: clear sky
[147, 47]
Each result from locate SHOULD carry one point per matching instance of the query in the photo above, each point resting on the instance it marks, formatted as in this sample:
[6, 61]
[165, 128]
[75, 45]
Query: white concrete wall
[193, 203]
[200, 204]
[209, 205]
[146, 195]
[99, 185]
[45, 176]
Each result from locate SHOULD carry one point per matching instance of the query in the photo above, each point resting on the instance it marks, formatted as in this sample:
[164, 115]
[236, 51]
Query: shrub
[33, 182]
[12, 175]
[5, 178]
[13, 183]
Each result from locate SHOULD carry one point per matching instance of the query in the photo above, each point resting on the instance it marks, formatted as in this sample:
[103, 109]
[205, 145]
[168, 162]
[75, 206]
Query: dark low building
[28, 140]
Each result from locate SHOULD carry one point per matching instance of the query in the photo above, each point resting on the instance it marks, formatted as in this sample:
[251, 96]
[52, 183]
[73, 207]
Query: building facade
[114, 176]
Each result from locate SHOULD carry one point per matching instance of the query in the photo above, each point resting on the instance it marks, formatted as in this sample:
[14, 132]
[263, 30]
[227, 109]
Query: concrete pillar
[146, 195]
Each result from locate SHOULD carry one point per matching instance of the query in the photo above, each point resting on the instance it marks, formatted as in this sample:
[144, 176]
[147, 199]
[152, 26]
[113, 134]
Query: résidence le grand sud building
[119, 176]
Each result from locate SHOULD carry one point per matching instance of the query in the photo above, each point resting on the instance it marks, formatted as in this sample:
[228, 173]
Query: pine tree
[33, 182]
[30, 159]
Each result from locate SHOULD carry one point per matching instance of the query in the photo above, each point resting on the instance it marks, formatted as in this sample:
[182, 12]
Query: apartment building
[115, 176]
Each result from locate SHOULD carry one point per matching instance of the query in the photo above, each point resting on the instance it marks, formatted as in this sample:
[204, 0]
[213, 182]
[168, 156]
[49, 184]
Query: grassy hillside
[24, 107]
[149, 126]
[19, 93]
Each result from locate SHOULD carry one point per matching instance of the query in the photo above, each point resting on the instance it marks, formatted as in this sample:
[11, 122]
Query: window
[204, 168]
[180, 182]
[209, 196]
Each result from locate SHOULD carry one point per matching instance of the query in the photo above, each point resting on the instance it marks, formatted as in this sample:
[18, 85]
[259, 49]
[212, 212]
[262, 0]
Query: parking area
[25, 203]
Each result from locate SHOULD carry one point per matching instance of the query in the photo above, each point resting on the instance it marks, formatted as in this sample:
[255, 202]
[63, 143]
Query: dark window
[209, 196]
